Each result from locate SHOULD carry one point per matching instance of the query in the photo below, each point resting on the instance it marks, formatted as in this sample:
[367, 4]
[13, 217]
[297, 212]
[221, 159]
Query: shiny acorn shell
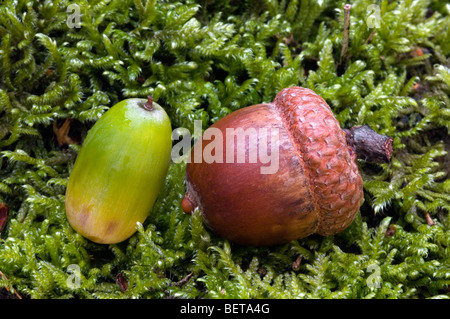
[119, 171]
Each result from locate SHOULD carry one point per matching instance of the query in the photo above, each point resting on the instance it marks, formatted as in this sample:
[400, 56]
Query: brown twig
[15, 292]
[345, 39]
[369, 39]
[183, 281]
[62, 133]
[368, 144]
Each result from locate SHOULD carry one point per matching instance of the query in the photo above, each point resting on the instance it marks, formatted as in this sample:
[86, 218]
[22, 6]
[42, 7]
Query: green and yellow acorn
[119, 171]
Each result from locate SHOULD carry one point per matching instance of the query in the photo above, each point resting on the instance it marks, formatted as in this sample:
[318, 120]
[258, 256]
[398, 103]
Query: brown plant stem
[15, 292]
[371, 35]
[345, 38]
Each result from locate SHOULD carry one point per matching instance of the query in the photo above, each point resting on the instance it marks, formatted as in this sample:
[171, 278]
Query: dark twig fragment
[183, 281]
[369, 145]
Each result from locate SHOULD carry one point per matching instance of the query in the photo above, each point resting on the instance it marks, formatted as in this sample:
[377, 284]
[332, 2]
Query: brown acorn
[316, 187]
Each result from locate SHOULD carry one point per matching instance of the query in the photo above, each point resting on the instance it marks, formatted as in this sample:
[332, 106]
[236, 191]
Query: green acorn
[119, 171]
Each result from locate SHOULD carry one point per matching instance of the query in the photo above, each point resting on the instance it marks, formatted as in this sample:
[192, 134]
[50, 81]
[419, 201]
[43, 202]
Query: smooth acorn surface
[119, 171]
[317, 188]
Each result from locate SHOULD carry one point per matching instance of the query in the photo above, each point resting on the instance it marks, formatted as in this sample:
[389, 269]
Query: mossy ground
[203, 60]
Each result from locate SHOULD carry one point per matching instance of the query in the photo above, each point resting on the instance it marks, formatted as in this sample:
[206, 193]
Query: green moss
[203, 60]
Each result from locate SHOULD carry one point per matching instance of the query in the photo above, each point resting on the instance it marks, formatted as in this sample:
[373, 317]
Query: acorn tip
[187, 205]
[149, 104]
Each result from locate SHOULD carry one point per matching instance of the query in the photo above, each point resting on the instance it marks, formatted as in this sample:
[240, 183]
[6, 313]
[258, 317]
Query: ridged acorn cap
[328, 161]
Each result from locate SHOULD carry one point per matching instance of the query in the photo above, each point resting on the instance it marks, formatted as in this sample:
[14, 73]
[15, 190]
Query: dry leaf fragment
[62, 133]
[4, 212]
[122, 282]
[391, 231]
